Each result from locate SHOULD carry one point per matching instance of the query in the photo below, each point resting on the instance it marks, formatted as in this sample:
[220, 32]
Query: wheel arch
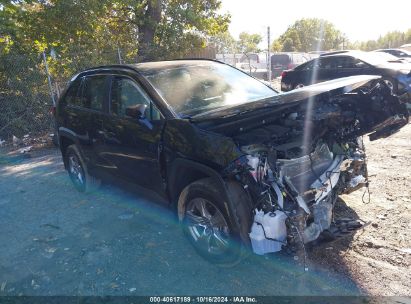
[66, 138]
[184, 172]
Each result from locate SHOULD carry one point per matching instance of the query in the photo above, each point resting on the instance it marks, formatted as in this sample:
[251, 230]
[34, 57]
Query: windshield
[197, 87]
[387, 57]
[375, 58]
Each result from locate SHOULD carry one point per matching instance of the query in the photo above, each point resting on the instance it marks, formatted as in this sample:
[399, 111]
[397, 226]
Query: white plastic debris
[16, 141]
[25, 150]
[268, 232]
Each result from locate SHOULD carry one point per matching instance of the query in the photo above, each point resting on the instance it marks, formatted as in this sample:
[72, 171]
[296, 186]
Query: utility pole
[49, 78]
[268, 56]
[120, 61]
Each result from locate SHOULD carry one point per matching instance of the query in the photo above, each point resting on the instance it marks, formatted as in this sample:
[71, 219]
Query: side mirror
[137, 111]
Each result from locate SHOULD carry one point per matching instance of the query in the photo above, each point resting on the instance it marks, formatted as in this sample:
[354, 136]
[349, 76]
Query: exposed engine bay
[299, 159]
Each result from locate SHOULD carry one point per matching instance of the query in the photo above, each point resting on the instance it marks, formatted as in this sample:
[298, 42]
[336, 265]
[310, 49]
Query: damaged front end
[303, 151]
[294, 198]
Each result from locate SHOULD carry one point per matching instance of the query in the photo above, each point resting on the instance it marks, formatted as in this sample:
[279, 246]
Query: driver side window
[125, 93]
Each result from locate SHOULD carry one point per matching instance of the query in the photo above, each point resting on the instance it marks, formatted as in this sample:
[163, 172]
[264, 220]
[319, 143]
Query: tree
[276, 46]
[389, 40]
[310, 34]
[86, 33]
[224, 43]
[156, 29]
[248, 43]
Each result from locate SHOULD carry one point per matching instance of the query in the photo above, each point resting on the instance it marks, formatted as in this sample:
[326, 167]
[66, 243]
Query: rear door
[326, 69]
[317, 70]
[94, 97]
[85, 105]
[132, 146]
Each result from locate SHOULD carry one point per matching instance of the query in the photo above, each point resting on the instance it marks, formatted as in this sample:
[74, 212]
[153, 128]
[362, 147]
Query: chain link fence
[24, 96]
[30, 84]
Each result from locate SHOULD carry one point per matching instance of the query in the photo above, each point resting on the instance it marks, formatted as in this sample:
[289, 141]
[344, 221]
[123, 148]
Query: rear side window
[94, 92]
[326, 63]
[317, 63]
[305, 67]
[345, 62]
[72, 96]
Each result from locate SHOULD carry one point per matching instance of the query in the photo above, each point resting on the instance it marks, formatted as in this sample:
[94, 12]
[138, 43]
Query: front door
[132, 146]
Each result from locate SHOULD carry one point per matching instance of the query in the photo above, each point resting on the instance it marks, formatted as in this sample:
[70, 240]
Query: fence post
[49, 79]
[119, 55]
[268, 56]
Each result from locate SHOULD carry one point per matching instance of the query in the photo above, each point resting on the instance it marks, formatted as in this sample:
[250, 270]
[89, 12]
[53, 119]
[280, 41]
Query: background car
[285, 61]
[348, 63]
[397, 53]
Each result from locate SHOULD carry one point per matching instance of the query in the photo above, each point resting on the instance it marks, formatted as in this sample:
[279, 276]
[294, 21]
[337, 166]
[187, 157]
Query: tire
[78, 172]
[218, 234]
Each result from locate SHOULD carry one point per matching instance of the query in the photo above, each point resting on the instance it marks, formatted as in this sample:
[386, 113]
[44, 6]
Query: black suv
[241, 164]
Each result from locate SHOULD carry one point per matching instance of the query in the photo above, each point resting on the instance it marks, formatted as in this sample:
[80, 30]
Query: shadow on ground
[57, 241]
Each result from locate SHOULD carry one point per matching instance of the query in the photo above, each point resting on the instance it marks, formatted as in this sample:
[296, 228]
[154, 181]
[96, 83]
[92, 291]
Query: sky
[358, 19]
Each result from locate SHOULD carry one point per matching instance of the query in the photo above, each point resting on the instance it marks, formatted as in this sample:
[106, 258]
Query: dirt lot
[378, 257]
[56, 241]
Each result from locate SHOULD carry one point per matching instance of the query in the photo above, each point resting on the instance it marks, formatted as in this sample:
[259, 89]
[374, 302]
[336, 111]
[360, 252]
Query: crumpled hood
[333, 88]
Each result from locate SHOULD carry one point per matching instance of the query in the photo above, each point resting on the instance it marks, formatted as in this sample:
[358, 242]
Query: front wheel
[218, 234]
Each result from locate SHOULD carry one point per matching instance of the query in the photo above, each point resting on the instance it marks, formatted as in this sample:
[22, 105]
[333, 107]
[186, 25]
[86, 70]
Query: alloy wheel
[76, 171]
[207, 226]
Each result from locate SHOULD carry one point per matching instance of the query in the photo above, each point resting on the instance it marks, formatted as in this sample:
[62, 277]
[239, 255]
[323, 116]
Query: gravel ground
[56, 241]
[378, 257]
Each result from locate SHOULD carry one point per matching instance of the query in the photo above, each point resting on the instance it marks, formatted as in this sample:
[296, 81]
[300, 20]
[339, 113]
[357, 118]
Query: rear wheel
[78, 172]
[210, 227]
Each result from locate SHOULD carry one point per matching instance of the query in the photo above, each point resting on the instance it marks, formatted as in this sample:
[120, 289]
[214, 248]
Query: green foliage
[309, 34]
[161, 28]
[224, 43]
[248, 43]
[390, 40]
[86, 33]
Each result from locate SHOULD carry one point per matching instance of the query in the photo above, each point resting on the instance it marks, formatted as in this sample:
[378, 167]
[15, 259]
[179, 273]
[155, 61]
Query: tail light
[283, 74]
